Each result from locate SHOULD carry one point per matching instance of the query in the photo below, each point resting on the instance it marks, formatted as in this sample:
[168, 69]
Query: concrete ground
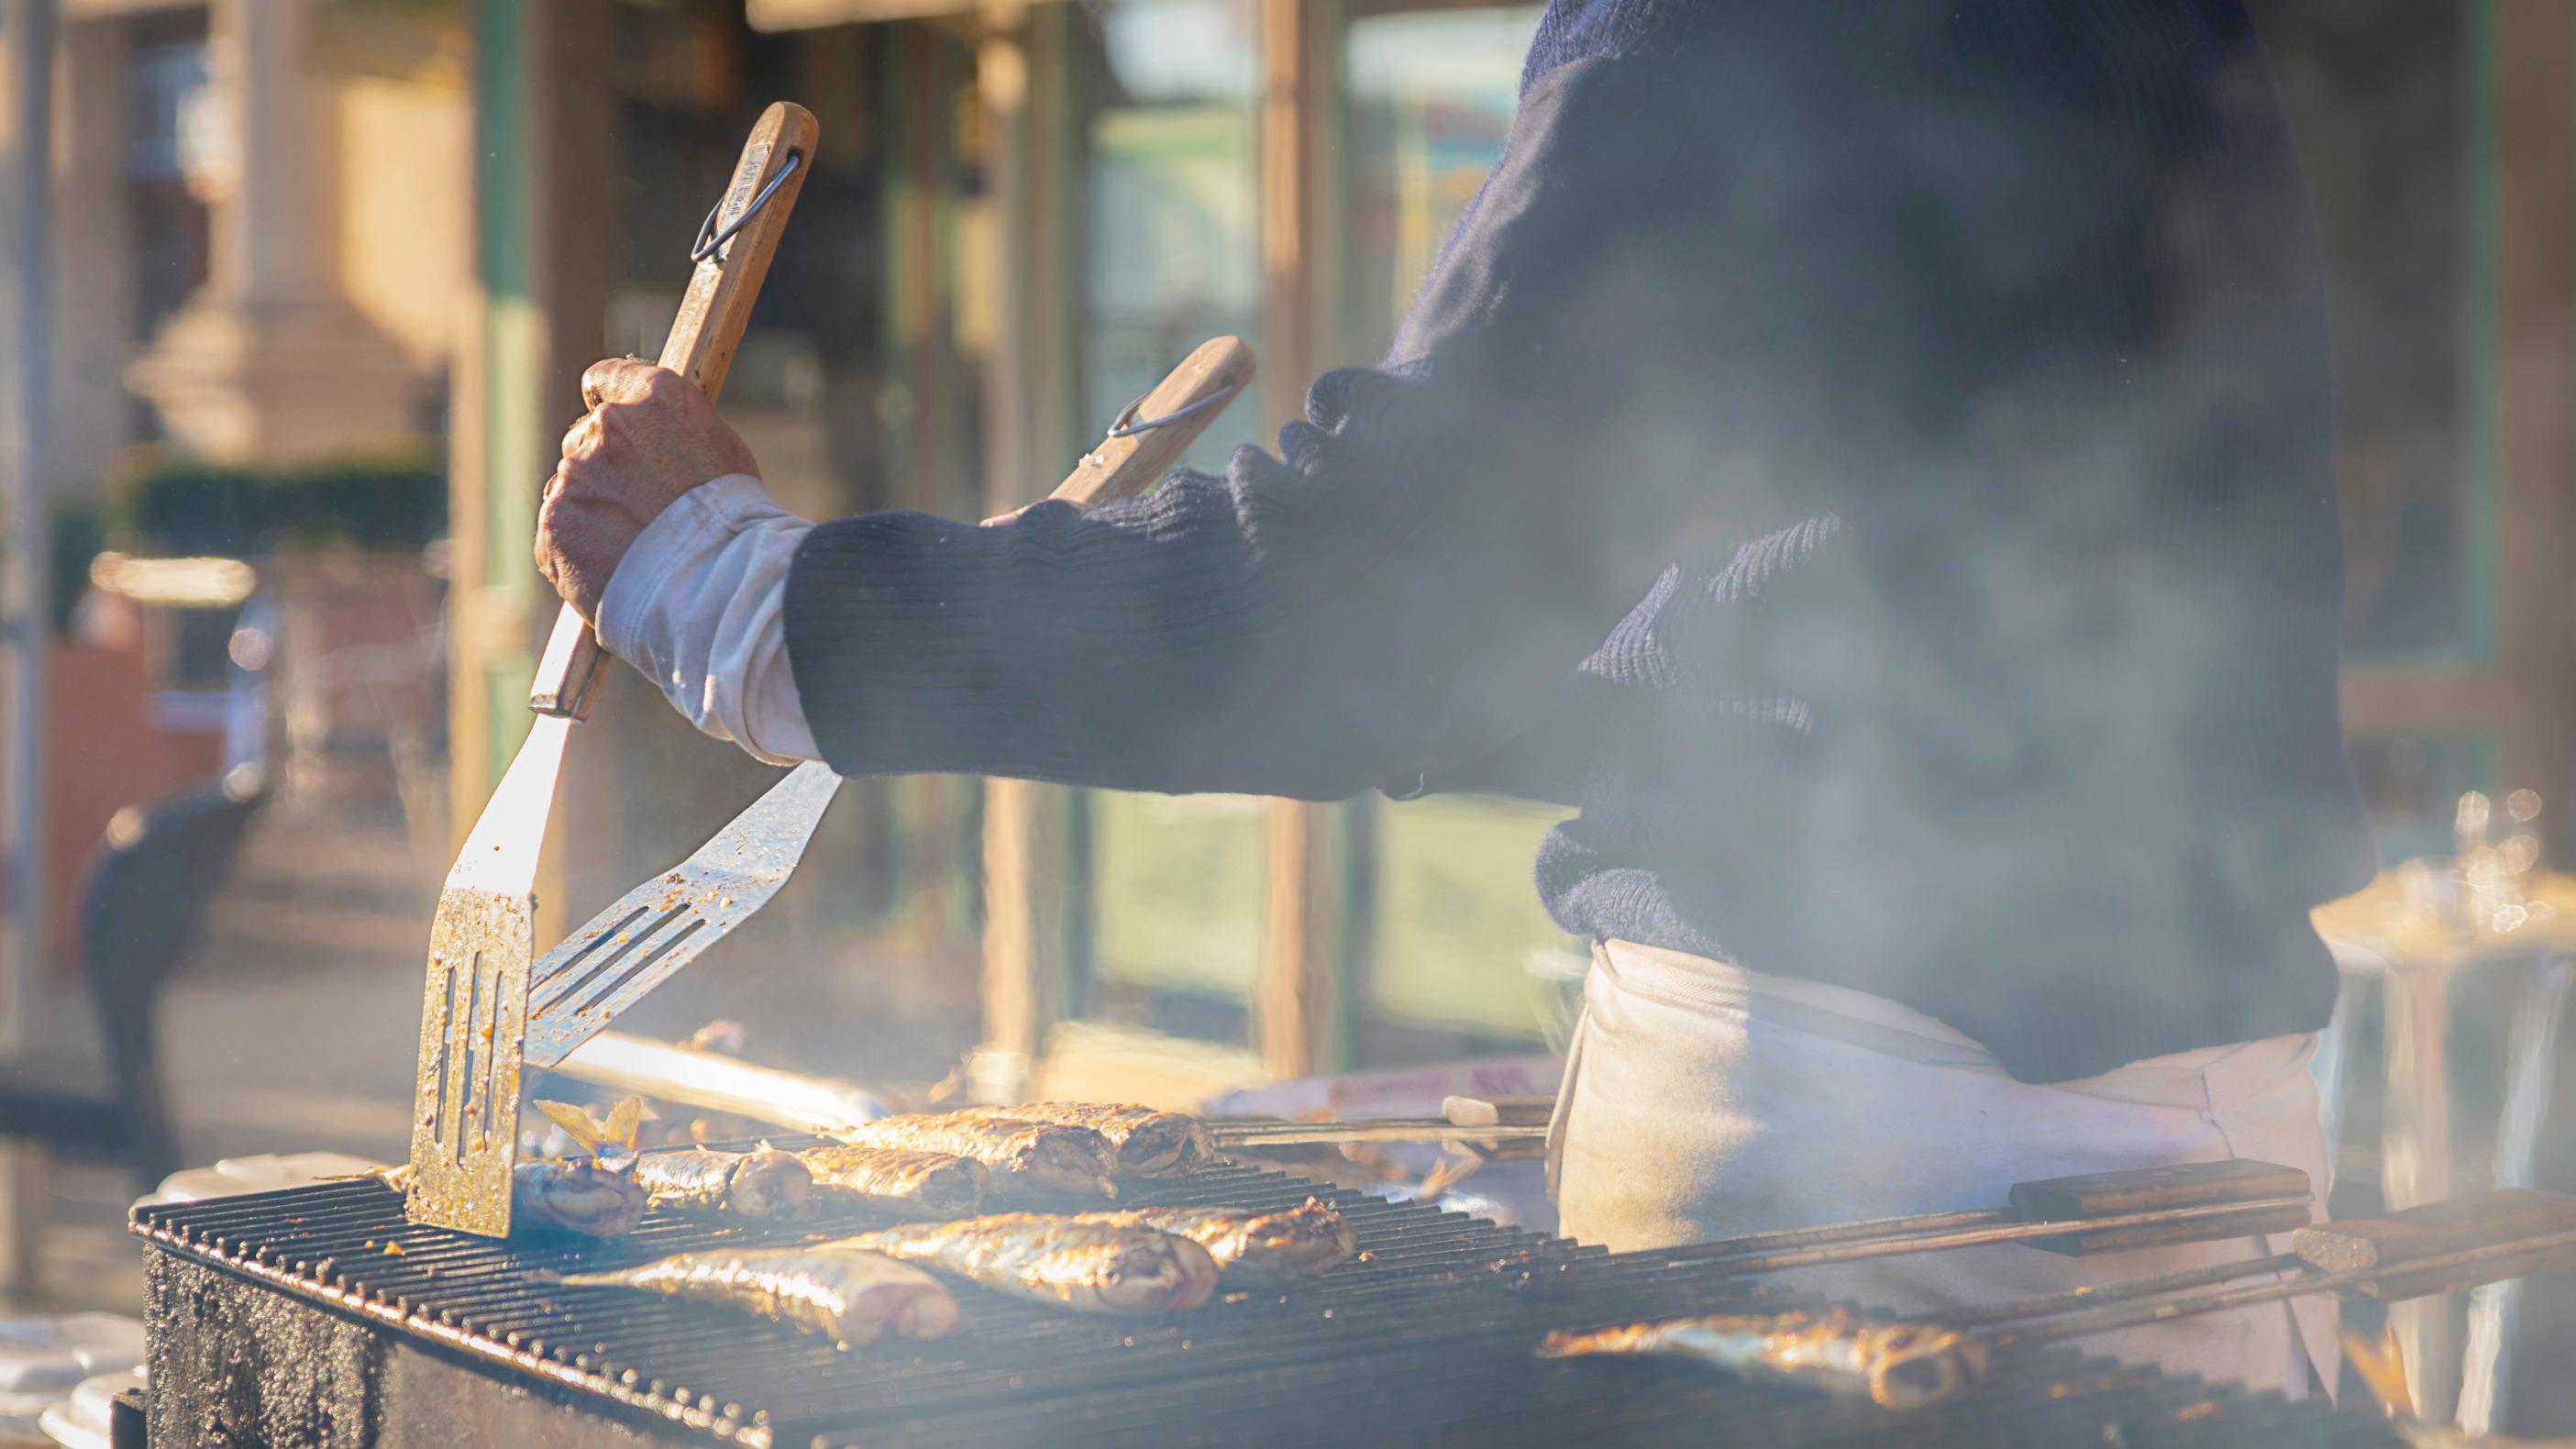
[292, 1031]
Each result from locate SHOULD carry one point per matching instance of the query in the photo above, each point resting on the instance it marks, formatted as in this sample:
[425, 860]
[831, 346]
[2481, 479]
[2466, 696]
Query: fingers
[583, 437]
[623, 379]
[545, 540]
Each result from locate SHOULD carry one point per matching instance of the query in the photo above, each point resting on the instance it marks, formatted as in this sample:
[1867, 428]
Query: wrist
[694, 524]
[697, 604]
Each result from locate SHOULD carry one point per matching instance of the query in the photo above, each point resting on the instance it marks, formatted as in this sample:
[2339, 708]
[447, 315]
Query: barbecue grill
[319, 1317]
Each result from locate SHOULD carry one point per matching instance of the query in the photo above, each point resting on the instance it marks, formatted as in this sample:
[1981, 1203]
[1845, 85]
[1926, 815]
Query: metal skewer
[2204, 1221]
[2094, 1213]
[2544, 1225]
[2128, 1290]
[2132, 1315]
[1392, 1129]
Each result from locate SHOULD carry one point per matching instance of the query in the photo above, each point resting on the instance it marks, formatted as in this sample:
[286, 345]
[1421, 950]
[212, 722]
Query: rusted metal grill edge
[537, 1369]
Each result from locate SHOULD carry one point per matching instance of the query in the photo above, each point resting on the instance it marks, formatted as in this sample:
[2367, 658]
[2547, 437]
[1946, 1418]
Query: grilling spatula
[465, 1105]
[652, 931]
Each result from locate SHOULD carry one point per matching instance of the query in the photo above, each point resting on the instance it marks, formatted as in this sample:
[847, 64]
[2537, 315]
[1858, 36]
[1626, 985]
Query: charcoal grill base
[236, 1367]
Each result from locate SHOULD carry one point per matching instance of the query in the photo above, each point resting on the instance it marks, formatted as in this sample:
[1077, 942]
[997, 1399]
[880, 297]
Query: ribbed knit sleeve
[1408, 584]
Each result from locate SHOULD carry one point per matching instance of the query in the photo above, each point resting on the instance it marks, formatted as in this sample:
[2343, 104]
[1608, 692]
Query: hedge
[174, 505]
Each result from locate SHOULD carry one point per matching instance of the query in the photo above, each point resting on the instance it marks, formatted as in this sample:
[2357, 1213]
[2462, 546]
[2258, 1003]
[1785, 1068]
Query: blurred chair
[142, 909]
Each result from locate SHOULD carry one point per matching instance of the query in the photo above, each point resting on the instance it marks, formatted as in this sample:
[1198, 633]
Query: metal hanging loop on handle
[1128, 425]
[711, 241]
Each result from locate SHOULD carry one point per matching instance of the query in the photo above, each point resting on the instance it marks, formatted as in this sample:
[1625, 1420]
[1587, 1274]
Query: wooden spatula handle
[701, 346]
[1208, 380]
[1191, 395]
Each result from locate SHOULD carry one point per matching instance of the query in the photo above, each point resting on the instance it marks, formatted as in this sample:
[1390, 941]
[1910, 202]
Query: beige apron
[1702, 1100]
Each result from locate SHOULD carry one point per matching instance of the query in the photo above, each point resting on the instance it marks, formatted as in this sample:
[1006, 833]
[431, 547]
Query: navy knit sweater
[1870, 457]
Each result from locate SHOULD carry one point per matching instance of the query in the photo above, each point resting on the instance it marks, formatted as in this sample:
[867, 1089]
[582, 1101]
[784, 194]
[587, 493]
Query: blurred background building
[326, 272]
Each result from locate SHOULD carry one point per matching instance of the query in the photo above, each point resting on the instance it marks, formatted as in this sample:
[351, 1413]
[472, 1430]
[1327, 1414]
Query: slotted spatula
[652, 931]
[465, 1104]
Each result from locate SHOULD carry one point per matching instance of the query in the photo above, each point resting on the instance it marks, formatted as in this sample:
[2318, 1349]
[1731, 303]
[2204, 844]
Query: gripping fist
[649, 437]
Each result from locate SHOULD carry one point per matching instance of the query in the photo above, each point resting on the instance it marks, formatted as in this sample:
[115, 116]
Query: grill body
[319, 1318]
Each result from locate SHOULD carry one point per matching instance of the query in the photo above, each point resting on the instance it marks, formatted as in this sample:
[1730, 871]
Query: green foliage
[173, 504]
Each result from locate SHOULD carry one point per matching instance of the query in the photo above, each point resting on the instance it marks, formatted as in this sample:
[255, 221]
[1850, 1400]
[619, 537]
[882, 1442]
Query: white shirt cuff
[698, 604]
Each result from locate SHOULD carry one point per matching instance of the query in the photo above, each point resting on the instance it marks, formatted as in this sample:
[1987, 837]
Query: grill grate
[1426, 1339]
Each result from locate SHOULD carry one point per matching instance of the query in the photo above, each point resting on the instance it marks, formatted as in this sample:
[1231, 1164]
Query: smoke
[2000, 668]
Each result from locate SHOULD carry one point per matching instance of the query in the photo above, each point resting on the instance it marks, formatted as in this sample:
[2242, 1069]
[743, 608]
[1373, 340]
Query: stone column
[270, 362]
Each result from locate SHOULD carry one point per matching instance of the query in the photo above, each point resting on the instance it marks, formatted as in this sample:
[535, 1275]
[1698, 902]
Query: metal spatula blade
[649, 933]
[465, 1104]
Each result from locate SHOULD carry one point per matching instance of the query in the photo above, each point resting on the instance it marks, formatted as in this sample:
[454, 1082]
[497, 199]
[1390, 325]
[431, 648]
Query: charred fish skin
[896, 1180]
[1145, 1142]
[1253, 1249]
[580, 1195]
[1894, 1365]
[763, 1183]
[768, 1183]
[688, 1178]
[1107, 1268]
[1024, 1157]
[691, 1177]
[852, 1296]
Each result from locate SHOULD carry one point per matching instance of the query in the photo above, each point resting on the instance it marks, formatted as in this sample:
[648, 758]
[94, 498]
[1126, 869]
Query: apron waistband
[1837, 1013]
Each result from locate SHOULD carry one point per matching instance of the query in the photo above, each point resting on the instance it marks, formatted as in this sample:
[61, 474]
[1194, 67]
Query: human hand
[649, 437]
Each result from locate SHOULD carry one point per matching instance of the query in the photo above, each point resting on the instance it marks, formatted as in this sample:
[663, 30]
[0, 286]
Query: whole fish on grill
[1143, 1142]
[1896, 1365]
[852, 1295]
[1061, 1262]
[1251, 1248]
[765, 1183]
[1024, 1158]
[891, 1179]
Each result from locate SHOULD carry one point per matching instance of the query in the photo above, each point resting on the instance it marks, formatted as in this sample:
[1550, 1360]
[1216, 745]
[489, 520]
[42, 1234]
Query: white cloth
[698, 604]
[1702, 1100]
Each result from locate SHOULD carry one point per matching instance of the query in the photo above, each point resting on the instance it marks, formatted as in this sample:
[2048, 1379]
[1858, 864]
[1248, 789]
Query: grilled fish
[1061, 1262]
[766, 1183]
[832, 1288]
[1143, 1142]
[1897, 1365]
[1023, 1157]
[914, 1184]
[1252, 1249]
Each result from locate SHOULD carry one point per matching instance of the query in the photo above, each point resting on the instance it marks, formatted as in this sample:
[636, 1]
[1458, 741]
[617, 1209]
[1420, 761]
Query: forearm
[1149, 646]
[1407, 586]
